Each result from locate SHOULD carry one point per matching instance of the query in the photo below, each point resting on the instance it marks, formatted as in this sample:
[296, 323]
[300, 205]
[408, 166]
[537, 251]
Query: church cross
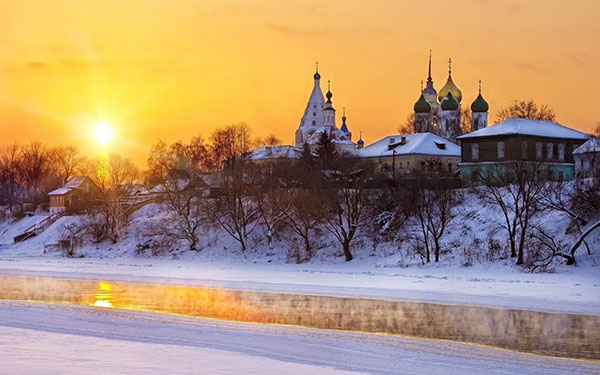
[449, 66]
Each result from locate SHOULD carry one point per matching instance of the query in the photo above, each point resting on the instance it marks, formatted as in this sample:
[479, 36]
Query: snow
[419, 143]
[60, 191]
[592, 145]
[522, 126]
[274, 152]
[57, 339]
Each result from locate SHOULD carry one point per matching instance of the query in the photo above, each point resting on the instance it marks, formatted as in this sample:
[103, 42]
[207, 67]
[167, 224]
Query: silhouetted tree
[527, 109]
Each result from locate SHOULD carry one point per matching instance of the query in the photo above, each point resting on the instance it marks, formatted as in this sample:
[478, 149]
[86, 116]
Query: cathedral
[440, 113]
[319, 117]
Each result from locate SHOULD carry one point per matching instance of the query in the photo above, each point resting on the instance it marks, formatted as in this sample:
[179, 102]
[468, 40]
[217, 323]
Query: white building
[319, 117]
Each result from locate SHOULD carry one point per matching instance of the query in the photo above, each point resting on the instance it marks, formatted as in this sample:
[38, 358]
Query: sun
[103, 133]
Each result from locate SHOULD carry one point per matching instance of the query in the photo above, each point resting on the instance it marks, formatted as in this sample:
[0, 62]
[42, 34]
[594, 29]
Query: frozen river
[58, 338]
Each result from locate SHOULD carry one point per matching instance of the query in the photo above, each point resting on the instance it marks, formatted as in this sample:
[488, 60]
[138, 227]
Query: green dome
[422, 105]
[449, 103]
[480, 105]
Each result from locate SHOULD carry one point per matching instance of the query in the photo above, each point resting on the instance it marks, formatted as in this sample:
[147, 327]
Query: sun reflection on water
[103, 295]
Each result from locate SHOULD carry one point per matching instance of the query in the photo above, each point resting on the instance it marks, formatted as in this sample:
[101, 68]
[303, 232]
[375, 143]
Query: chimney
[403, 140]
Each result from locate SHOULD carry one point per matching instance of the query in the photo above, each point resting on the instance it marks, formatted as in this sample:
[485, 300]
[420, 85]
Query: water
[557, 334]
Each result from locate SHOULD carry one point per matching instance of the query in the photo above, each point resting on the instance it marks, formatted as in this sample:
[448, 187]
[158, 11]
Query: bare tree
[10, 169]
[34, 167]
[408, 126]
[348, 202]
[433, 210]
[66, 162]
[229, 142]
[235, 208]
[516, 188]
[596, 130]
[189, 211]
[269, 140]
[115, 177]
[527, 109]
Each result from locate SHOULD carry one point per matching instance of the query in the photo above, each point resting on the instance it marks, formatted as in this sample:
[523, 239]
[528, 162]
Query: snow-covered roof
[592, 145]
[416, 144]
[60, 191]
[274, 152]
[72, 184]
[522, 126]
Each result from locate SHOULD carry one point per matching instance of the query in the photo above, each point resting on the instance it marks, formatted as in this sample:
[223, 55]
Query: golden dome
[450, 87]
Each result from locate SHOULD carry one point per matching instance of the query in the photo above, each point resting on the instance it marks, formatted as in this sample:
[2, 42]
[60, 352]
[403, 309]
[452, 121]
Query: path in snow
[56, 339]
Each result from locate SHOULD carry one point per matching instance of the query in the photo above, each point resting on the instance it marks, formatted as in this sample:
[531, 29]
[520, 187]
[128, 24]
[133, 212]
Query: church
[440, 113]
[319, 117]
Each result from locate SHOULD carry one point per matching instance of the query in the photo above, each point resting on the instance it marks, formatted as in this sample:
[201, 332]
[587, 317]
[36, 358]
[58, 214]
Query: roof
[72, 184]
[60, 191]
[523, 126]
[592, 145]
[416, 144]
[274, 152]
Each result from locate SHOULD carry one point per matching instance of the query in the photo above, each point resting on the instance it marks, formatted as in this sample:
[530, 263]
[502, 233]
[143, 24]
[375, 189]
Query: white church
[319, 117]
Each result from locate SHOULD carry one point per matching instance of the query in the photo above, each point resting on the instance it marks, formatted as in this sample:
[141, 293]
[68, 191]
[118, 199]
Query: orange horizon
[177, 69]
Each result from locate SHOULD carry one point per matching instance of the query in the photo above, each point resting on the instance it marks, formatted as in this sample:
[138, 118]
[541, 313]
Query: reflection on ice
[566, 335]
[103, 296]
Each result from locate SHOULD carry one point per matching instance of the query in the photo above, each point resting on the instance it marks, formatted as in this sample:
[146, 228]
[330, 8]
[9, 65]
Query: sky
[175, 69]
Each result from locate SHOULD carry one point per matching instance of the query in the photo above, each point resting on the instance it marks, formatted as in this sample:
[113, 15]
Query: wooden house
[77, 193]
[587, 159]
[518, 139]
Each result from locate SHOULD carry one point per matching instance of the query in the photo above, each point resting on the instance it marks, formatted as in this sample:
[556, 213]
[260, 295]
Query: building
[440, 113]
[587, 159]
[273, 153]
[517, 139]
[76, 193]
[421, 152]
[319, 117]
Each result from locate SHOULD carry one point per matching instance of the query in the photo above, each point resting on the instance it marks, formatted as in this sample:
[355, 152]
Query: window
[524, 149]
[314, 113]
[475, 176]
[408, 167]
[400, 167]
[314, 122]
[449, 166]
[538, 150]
[422, 166]
[561, 151]
[501, 150]
[549, 150]
[475, 151]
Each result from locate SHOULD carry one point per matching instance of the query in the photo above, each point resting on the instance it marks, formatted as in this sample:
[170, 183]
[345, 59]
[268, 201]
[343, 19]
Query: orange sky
[175, 69]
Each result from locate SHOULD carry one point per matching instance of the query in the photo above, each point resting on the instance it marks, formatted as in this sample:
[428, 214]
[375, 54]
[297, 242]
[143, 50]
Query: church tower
[450, 113]
[423, 115]
[344, 127]
[480, 108]
[313, 114]
[329, 111]
[449, 118]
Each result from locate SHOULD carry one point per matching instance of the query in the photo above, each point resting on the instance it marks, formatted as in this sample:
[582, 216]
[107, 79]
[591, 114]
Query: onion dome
[449, 103]
[317, 75]
[422, 105]
[360, 143]
[479, 105]
[450, 87]
[344, 127]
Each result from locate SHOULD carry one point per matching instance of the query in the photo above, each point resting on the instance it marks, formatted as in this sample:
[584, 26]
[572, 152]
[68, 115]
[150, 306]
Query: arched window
[314, 122]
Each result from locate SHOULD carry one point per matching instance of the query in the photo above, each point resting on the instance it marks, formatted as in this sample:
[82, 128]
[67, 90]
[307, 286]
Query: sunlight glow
[103, 133]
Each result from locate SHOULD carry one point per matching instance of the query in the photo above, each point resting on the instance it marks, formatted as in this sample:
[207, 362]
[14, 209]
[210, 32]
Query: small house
[77, 193]
[587, 159]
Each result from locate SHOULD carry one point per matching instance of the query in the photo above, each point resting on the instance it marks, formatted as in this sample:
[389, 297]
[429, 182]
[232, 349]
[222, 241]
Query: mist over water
[557, 334]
